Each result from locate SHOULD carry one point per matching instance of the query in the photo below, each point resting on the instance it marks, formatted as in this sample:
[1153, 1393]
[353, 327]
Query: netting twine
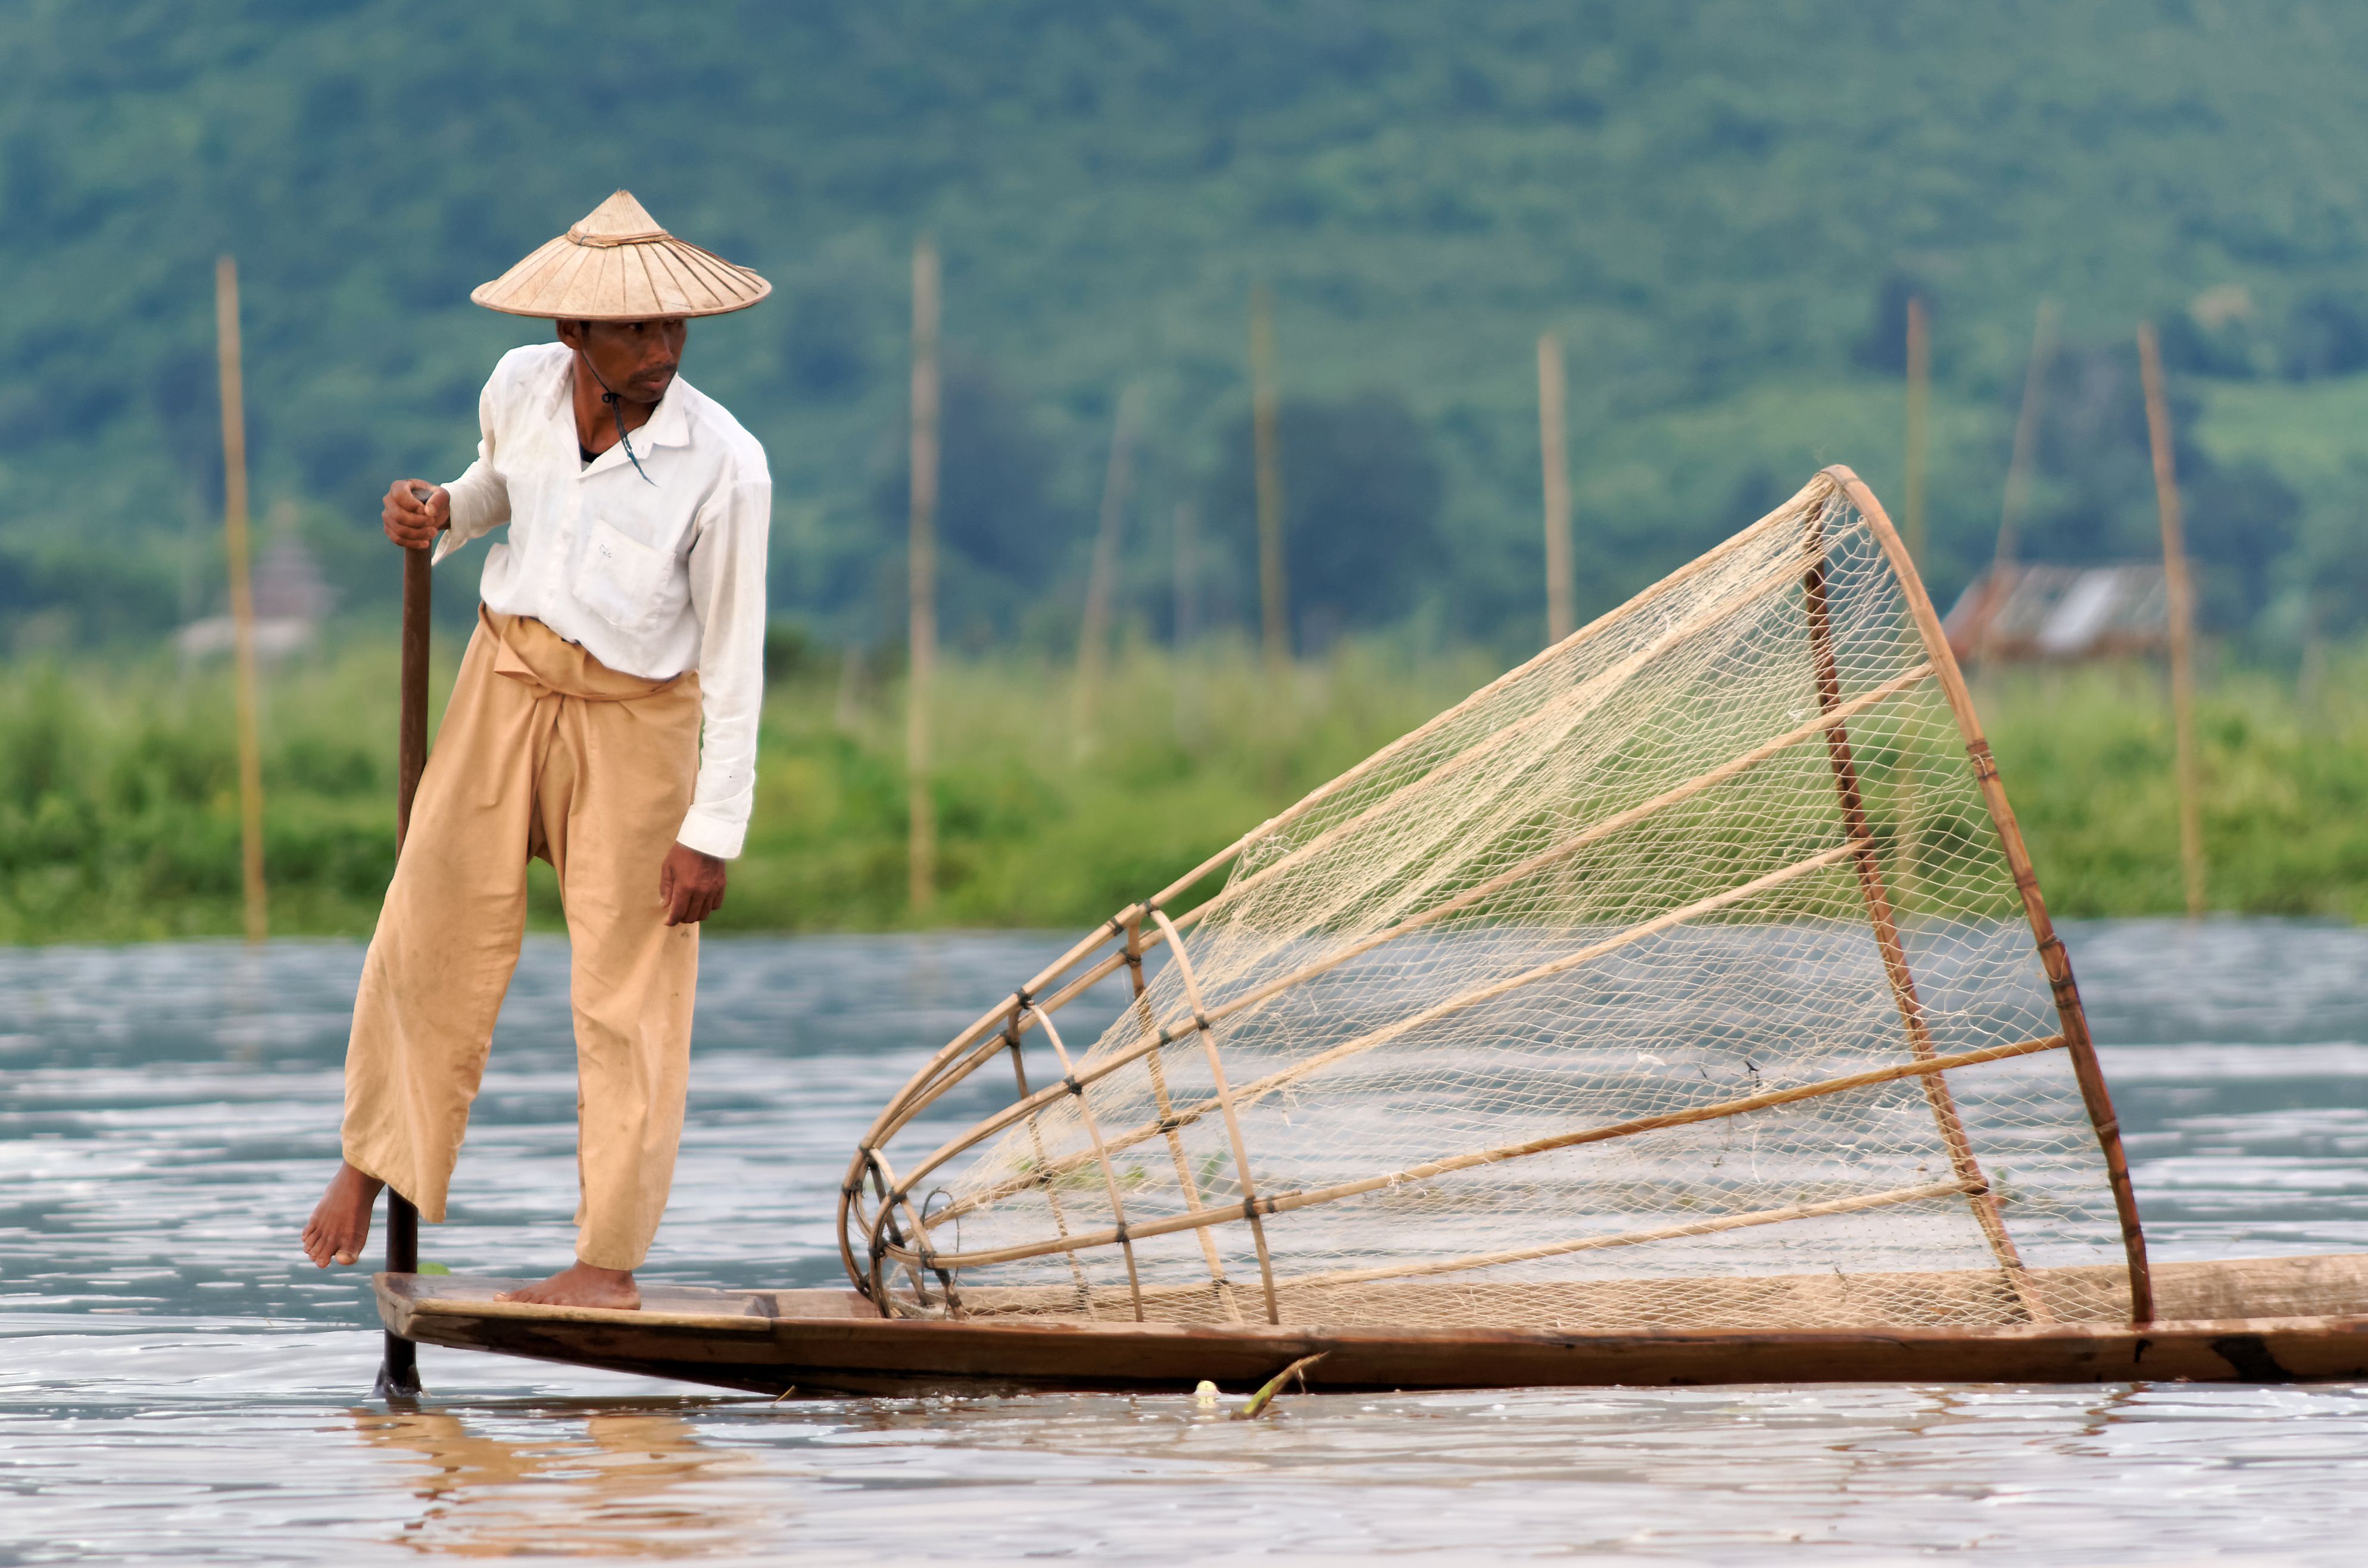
[1691, 975]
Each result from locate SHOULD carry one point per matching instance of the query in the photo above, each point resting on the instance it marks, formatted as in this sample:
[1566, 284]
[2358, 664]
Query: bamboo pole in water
[921, 844]
[1883, 916]
[1101, 583]
[1274, 598]
[1919, 409]
[2052, 959]
[242, 596]
[1562, 616]
[1919, 454]
[2180, 593]
[2017, 468]
[2026, 434]
[1188, 622]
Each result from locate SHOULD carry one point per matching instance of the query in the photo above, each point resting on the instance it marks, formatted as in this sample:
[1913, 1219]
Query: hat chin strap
[616, 414]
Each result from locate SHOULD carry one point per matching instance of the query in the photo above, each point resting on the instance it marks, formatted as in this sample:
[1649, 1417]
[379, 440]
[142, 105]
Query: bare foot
[582, 1285]
[341, 1220]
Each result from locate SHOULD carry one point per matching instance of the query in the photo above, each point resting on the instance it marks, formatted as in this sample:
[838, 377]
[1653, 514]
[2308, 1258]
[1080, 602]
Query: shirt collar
[668, 425]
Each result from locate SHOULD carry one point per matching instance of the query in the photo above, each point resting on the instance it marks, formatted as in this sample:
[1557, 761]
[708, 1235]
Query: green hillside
[1720, 204]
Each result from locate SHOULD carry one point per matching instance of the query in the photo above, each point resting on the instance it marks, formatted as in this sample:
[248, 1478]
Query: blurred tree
[1003, 533]
[2228, 350]
[2327, 335]
[2329, 569]
[1884, 346]
[824, 345]
[1430, 185]
[1361, 494]
[2094, 454]
[2240, 521]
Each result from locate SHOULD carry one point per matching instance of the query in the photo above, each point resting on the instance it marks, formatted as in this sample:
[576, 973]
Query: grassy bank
[118, 813]
[2086, 754]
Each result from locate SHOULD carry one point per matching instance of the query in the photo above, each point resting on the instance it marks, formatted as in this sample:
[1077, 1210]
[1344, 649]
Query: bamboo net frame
[1442, 1050]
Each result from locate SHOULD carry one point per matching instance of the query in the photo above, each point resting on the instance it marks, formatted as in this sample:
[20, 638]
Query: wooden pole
[1224, 1098]
[1147, 1028]
[846, 710]
[921, 849]
[410, 736]
[398, 1375]
[242, 596]
[1919, 418]
[1919, 408]
[1188, 593]
[1188, 621]
[2052, 959]
[1205, 1019]
[1274, 598]
[1704, 1227]
[1101, 583]
[1882, 916]
[2180, 593]
[2017, 468]
[1109, 1172]
[2026, 433]
[1562, 617]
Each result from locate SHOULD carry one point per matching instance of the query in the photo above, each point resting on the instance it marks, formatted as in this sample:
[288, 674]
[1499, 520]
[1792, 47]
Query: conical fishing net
[1680, 978]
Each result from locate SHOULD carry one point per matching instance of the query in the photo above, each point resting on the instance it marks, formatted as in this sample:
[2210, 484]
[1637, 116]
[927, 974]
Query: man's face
[636, 358]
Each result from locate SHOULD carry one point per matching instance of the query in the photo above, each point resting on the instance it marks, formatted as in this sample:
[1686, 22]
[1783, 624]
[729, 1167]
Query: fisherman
[603, 721]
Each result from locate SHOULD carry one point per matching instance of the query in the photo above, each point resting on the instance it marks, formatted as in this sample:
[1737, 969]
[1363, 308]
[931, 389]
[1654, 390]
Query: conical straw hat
[618, 264]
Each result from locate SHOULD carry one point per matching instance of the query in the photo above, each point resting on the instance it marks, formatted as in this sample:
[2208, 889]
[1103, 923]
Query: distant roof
[2062, 613]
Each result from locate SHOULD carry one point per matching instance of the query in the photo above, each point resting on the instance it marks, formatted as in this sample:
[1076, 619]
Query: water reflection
[2115, 1401]
[629, 1485]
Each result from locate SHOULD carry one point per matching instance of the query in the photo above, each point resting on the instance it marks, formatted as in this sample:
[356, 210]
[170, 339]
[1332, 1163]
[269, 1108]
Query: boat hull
[830, 1341]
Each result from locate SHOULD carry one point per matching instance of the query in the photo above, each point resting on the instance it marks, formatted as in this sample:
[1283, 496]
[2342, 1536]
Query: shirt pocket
[625, 582]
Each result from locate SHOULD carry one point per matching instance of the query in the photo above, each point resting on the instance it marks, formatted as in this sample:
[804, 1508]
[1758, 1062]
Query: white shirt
[650, 578]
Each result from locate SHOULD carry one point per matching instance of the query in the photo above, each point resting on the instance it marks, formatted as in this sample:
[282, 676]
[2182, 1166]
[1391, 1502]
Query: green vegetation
[2086, 758]
[118, 817]
[1720, 204]
[119, 807]
[1035, 830]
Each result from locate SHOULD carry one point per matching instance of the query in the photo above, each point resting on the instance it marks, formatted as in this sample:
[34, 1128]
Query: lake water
[175, 1384]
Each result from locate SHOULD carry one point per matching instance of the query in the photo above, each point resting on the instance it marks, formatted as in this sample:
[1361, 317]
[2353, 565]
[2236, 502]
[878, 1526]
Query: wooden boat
[1679, 1008]
[2258, 1320]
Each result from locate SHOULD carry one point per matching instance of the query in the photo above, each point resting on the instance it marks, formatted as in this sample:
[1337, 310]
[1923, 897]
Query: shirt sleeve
[481, 499]
[727, 593]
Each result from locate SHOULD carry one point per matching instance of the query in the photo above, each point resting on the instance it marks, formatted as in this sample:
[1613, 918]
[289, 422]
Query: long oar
[398, 1375]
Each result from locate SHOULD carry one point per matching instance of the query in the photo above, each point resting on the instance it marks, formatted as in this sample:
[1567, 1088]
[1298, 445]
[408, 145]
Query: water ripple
[177, 1385]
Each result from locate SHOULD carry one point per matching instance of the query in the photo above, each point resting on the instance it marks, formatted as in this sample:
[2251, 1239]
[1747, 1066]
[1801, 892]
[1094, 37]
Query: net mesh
[1677, 979]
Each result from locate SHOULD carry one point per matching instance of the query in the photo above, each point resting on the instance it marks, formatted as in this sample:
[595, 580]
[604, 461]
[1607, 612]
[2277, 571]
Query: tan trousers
[543, 752]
